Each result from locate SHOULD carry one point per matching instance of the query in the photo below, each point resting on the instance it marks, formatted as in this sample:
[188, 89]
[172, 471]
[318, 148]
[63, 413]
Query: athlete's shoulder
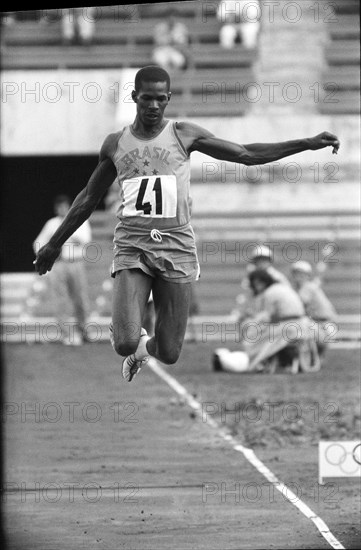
[192, 130]
[190, 133]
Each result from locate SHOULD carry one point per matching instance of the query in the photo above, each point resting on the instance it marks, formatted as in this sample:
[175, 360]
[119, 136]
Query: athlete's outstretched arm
[84, 204]
[196, 138]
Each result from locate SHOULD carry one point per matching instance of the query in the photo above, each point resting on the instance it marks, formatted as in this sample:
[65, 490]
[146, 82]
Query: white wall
[62, 112]
[71, 111]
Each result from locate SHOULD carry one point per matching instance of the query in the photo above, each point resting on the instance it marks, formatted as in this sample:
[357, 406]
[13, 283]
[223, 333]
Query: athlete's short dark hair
[151, 73]
[260, 275]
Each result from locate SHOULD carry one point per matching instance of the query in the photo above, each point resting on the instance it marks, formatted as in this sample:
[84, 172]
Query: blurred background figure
[261, 258]
[281, 326]
[171, 39]
[67, 279]
[240, 23]
[8, 19]
[78, 25]
[321, 267]
[317, 305]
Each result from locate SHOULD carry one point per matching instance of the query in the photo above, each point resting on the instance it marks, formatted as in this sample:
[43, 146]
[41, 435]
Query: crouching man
[276, 332]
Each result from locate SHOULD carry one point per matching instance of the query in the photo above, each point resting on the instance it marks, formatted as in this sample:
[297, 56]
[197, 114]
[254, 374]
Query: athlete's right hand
[45, 258]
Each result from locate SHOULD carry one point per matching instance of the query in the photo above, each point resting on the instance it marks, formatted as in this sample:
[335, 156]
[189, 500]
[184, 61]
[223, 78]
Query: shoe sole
[132, 373]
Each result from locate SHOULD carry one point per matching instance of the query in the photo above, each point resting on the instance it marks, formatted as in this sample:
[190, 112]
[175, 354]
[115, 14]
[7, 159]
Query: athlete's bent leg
[171, 302]
[130, 296]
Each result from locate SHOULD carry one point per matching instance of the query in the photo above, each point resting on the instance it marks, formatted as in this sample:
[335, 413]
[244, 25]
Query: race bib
[151, 196]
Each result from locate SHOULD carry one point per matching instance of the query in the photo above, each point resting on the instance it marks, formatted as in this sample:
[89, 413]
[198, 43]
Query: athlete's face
[151, 99]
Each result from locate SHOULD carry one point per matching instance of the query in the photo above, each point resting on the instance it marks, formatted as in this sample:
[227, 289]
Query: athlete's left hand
[325, 139]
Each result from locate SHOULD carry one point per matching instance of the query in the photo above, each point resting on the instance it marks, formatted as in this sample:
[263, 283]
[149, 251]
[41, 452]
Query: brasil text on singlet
[154, 179]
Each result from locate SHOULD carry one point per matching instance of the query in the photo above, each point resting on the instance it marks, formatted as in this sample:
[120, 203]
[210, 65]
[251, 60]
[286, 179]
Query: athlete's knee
[169, 355]
[124, 348]
[124, 340]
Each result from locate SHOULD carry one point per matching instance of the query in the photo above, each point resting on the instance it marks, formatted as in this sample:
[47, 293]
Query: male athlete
[154, 246]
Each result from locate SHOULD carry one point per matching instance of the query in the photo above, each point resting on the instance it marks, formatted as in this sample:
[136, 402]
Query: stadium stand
[341, 77]
[124, 39]
[118, 42]
[121, 43]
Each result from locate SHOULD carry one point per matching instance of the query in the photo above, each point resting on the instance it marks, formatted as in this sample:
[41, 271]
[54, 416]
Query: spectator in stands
[240, 22]
[321, 267]
[261, 258]
[68, 278]
[318, 307]
[279, 323]
[78, 25]
[8, 19]
[171, 51]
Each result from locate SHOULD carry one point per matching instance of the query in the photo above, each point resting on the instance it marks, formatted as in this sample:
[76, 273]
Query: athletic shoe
[131, 367]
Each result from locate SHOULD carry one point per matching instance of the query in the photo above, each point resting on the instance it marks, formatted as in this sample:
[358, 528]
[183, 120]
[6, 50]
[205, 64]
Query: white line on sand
[249, 455]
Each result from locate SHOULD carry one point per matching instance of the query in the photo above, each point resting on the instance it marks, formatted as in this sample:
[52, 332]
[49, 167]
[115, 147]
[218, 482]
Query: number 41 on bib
[150, 196]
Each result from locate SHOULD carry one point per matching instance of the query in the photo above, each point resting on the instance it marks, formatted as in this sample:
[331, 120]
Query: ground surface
[95, 462]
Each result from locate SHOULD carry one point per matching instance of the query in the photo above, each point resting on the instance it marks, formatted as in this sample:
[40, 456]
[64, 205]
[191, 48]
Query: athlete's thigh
[130, 296]
[171, 302]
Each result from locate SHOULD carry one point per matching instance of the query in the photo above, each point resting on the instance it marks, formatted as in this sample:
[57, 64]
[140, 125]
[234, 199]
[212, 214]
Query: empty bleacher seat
[341, 80]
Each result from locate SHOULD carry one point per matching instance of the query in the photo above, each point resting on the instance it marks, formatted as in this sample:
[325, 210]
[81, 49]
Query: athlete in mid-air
[154, 245]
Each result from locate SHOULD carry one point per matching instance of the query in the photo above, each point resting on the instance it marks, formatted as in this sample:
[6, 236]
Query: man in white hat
[261, 258]
[317, 305]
